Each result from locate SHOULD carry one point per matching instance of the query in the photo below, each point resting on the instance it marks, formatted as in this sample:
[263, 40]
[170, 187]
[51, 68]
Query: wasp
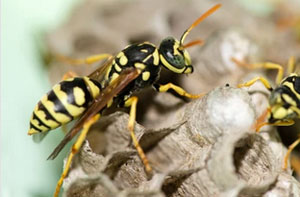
[134, 68]
[284, 99]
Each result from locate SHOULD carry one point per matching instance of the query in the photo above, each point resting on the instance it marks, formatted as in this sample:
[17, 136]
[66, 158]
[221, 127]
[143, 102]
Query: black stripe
[32, 126]
[286, 90]
[41, 123]
[41, 107]
[68, 87]
[58, 106]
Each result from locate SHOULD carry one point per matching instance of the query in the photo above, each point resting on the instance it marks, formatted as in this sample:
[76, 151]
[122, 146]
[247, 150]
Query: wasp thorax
[174, 57]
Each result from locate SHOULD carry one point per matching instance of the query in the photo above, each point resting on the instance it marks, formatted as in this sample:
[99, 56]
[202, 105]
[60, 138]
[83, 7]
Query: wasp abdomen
[66, 101]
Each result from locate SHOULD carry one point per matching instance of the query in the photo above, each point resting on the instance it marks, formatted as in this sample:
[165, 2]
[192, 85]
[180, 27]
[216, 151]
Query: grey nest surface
[204, 147]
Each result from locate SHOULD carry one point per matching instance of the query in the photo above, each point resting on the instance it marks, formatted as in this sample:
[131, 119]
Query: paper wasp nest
[205, 147]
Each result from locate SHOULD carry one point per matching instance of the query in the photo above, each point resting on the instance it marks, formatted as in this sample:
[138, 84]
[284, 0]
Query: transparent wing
[99, 74]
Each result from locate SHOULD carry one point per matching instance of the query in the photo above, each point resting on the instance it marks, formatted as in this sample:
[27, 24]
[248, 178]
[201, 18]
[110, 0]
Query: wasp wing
[99, 74]
[108, 93]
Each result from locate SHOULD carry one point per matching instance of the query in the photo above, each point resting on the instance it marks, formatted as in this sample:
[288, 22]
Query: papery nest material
[207, 152]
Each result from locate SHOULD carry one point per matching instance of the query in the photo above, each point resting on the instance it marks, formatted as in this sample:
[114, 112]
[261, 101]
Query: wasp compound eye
[172, 57]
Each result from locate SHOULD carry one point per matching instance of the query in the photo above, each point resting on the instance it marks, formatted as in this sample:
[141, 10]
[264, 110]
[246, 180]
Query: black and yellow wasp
[134, 68]
[284, 100]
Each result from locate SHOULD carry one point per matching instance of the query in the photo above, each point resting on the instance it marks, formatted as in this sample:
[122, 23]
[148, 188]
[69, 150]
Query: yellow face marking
[175, 48]
[187, 58]
[279, 112]
[170, 67]
[139, 65]
[79, 96]
[63, 97]
[93, 89]
[291, 86]
[145, 75]
[289, 100]
[144, 50]
[295, 109]
[156, 57]
[188, 70]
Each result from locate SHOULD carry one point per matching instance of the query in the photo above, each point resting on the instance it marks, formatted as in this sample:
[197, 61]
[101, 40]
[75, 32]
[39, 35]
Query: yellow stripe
[93, 89]
[42, 116]
[79, 96]
[291, 86]
[289, 99]
[113, 77]
[146, 59]
[35, 123]
[118, 68]
[123, 59]
[63, 97]
[49, 105]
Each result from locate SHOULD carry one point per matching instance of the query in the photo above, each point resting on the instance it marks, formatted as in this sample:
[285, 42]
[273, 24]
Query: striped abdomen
[66, 101]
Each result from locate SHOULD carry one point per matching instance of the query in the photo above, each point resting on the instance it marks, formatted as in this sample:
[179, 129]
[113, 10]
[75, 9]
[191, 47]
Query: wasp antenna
[192, 43]
[201, 18]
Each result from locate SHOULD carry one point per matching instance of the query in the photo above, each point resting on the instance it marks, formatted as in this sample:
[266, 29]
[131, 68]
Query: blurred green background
[24, 168]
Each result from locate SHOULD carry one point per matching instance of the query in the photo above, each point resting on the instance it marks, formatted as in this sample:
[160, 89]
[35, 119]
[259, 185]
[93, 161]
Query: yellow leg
[287, 155]
[69, 74]
[279, 123]
[266, 65]
[75, 149]
[291, 65]
[88, 60]
[251, 82]
[269, 65]
[295, 163]
[178, 90]
[132, 103]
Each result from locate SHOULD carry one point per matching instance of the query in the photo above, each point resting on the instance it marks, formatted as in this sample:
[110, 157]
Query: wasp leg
[266, 65]
[251, 82]
[291, 65]
[288, 153]
[193, 43]
[295, 163]
[69, 74]
[76, 146]
[279, 123]
[88, 60]
[132, 103]
[177, 89]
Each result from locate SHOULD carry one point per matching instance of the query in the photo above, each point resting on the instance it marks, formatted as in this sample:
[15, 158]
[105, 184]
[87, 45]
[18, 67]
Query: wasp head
[282, 105]
[174, 57]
